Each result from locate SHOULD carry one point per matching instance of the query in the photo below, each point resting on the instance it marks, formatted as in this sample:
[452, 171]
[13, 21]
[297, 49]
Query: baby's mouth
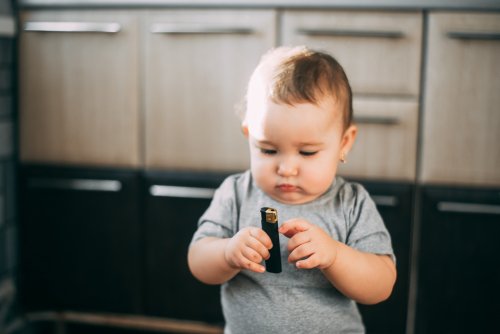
[287, 187]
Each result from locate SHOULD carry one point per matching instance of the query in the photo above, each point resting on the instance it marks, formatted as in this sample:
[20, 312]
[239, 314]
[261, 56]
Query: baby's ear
[244, 128]
[348, 138]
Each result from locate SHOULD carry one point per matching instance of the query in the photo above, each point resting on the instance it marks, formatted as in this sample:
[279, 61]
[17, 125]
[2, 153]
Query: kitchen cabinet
[386, 143]
[174, 202]
[461, 126]
[394, 203]
[457, 284]
[154, 89]
[80, 240]
[197, 65]
[79, 88]
[458, 260]
[380, 52]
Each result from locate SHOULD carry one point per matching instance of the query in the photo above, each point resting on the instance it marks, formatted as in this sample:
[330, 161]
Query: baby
[335, 248]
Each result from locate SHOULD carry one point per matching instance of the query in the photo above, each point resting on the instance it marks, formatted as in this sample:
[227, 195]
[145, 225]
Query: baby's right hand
[247, 248]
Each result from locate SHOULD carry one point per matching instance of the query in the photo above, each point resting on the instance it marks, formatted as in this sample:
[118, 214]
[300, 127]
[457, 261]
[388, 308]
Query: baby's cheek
[318, 180]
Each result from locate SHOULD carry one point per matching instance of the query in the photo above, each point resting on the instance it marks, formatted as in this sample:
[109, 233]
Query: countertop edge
[334, 4]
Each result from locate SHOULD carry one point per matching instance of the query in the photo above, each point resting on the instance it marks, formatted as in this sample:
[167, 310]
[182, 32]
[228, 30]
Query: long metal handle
[181, 192]
[76, 184]
[458, 207]
[383, 200]
[351, 33]
[479, 36]
[381, 120]
[177, 29]
[88, 27]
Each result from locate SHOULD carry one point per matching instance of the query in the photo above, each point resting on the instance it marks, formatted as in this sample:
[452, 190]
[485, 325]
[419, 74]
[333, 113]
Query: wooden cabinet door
[380, 51]
[80, 240]
[461, 119]
[197, 64]
[386, 144]
[458, 271]
[78, 88]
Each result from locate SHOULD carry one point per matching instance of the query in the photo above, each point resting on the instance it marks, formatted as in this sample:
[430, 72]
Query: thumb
[294, 226]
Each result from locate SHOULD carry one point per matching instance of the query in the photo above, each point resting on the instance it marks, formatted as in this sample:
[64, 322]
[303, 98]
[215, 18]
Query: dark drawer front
[459, 271]
[79, 240]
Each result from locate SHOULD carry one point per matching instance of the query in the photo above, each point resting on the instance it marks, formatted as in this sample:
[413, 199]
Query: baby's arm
[364, 277]
[216, 260]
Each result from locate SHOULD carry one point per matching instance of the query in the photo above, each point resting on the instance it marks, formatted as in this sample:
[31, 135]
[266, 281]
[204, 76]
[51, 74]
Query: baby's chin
[294, 198]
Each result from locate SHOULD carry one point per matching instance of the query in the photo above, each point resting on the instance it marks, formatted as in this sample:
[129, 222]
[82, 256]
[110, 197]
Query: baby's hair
[298, 75]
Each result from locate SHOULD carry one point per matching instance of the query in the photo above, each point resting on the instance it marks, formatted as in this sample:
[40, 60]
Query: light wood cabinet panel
[197, 65]
[380, 51]
[386, 144]
[78, 93]
[461, 120]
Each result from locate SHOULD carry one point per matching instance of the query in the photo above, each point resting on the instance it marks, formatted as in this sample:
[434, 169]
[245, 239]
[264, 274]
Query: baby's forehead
[326, 108]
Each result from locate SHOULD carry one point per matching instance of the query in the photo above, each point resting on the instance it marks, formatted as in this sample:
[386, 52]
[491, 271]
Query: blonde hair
[297, 74]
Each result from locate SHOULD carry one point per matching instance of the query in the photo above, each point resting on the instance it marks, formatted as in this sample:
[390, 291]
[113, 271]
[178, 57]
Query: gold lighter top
[271, 215]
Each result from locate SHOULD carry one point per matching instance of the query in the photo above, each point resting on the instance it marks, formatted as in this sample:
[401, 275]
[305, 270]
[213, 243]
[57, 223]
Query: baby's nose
[288, 167]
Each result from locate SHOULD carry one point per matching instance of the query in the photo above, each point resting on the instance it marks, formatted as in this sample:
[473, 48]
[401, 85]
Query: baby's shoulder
[348, 190]
[233, 186]
[236, 181]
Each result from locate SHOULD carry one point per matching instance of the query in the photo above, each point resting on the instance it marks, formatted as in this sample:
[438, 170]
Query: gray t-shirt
[295, 300]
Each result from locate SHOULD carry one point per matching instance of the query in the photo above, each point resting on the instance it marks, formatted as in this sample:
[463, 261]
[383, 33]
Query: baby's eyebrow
[311, 144]
[300, 144]
[264, 142]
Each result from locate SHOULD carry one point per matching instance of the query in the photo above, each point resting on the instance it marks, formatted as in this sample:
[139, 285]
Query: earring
[342, 157]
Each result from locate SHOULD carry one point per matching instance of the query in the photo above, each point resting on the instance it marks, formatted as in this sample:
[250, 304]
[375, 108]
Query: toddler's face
[295, 150]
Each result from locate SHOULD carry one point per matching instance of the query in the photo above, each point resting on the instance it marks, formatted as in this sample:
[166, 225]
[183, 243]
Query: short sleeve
[219, 220]
[367, 231]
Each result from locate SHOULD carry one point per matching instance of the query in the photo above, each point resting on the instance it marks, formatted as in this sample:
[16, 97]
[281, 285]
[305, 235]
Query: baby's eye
[268, 151]
[308, 153]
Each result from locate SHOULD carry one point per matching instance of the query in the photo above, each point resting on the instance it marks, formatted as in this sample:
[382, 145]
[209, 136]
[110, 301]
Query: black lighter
[269, 221]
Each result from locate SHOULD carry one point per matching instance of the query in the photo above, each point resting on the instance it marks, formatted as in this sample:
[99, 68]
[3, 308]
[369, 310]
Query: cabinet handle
[92, 27]
[181, 192]
[175, 29]
[76, 184]
[458, 207]
[351, 33]
[479, 36]
[382, 200]
[376, 120]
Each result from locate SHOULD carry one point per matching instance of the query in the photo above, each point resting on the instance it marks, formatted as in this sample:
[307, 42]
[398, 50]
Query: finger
[301, 252]
[241, 261]
[258, 247]
[255, 267]
[294, 226]
[252, 255]
[309, 263]
[298, 239]
[262, 237]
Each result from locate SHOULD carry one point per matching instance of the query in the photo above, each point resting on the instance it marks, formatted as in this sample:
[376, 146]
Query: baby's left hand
[309, 246]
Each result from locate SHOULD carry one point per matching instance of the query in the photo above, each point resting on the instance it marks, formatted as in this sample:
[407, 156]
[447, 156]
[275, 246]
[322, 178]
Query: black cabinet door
[79, 240]
[175, 202]
[459, 267]
[394, 202]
